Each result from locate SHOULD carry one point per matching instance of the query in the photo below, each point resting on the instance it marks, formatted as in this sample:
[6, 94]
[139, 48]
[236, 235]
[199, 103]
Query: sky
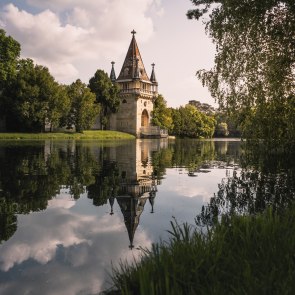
[74, 38]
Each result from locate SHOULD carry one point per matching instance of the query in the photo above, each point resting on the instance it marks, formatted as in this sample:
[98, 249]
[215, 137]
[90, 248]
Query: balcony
[153, 132]
[138, 91]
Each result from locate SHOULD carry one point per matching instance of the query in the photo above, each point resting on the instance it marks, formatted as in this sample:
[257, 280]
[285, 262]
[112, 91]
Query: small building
[138, 93]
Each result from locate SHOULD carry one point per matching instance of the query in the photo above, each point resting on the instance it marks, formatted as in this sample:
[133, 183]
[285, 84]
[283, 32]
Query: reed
[238, 255]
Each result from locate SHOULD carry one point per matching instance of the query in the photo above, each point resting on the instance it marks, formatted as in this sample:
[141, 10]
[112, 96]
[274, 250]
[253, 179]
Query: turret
[154, 80]
[113, 74]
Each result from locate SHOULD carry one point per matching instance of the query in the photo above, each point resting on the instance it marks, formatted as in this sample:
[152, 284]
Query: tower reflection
[137, 182]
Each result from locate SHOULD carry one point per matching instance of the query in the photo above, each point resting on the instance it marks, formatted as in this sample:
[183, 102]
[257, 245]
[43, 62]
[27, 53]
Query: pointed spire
[153, 75]
[133, 67]
[113, 74]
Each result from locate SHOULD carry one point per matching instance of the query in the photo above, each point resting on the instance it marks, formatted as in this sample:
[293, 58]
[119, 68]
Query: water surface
[71, 209]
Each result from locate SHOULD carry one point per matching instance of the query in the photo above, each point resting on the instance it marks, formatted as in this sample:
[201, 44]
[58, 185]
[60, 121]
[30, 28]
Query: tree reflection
[194, 156]
[267, 179]
[8, 221]
[105, 184]
[31, 175]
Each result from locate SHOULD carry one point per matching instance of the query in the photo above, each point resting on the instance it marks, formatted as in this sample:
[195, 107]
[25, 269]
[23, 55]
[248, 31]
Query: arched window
[144, 118]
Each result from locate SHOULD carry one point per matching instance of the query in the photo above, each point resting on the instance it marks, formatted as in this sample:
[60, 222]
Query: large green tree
[254, 63]
[34, 98]
[84, 108]
[9, 54]
[162, 116]
[189, 122]
[106, 95]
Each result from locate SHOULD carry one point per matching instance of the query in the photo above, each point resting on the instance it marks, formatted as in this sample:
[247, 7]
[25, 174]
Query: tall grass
[238, 255]
[91, 134]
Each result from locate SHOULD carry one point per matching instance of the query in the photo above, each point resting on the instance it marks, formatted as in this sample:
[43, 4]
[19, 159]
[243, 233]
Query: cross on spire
[133, 33]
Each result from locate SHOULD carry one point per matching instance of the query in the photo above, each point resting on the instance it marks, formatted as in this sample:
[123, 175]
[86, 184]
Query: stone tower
[137, 95]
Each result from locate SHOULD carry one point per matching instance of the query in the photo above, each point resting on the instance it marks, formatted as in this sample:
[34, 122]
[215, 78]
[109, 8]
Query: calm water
[69, 210]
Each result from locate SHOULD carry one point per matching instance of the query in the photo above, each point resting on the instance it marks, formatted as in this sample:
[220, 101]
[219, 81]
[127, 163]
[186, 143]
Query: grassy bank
[241, 255]
[93, 134]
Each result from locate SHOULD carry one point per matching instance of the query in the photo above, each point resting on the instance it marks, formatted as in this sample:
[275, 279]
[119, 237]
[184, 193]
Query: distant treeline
[194, 120]
[32, 101]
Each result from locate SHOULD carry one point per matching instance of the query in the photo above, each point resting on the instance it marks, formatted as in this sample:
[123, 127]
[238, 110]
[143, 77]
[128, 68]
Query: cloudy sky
[74, 38]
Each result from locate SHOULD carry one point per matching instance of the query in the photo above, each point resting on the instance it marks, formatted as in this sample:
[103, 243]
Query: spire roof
[133, 67]
[113, 74]
[153, 75]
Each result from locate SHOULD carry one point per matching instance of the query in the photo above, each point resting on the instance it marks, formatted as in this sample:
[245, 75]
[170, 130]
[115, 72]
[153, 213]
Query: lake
[70, 210]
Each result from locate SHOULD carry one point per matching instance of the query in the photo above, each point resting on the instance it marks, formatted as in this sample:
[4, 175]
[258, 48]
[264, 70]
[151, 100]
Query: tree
[221, 130]
[161, 115]
[231, 129]
[106, 95]
[254, 63]
[34, 98]
[84, 108]
[189, 122]
[9, 54]
[203, 107]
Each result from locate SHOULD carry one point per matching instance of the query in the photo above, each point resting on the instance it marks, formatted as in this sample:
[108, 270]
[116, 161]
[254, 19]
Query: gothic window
[124, 101]
[126, 71]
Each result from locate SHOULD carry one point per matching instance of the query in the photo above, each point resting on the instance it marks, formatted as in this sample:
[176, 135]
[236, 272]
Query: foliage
[84, 109]
[161, 115]
[189, 122]
[34, 98]
[221, 130]
[203, 107]
[106, 95]
[9, 54]
[254, 63]
[215, 263]
[231, 129]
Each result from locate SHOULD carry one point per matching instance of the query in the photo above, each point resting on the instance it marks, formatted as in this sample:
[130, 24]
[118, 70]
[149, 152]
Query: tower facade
[137, 93]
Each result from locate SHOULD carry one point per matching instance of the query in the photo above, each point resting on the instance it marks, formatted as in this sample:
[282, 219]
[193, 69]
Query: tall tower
[138, 93]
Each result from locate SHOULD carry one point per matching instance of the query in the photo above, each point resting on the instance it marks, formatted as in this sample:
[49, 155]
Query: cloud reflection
[60, 251]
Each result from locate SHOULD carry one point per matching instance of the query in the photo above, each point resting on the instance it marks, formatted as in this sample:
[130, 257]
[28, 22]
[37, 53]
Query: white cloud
[66, 35]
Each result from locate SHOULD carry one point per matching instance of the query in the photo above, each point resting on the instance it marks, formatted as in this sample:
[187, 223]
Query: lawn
[92, 134]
